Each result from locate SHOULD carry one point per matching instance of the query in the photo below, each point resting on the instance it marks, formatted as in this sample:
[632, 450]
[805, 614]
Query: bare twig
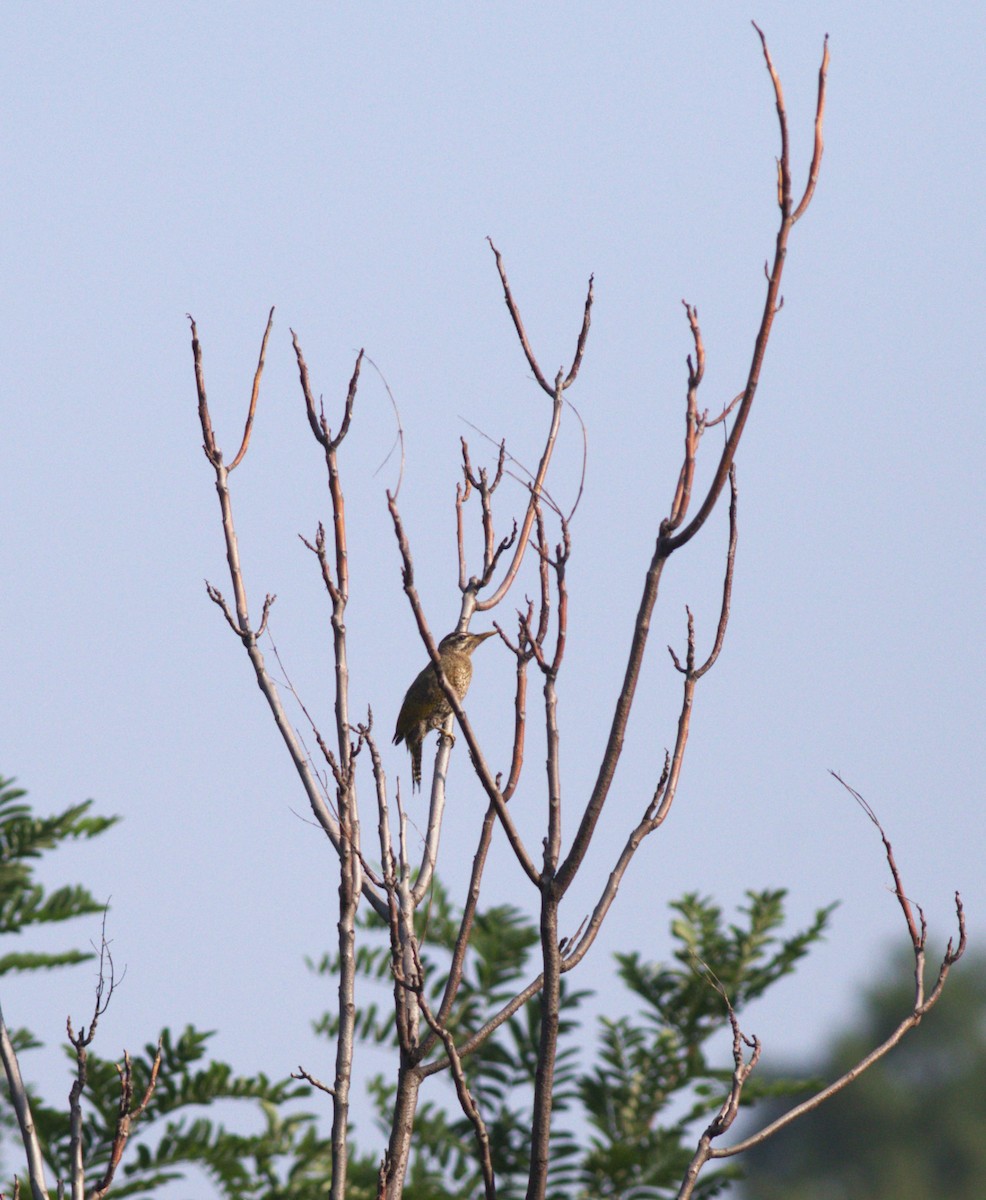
[351, 878]
[922, 1004]
[301, 1073]
[724, 1118]
[244, 445]
[666, 790]
[127, 1117]
[771, 301]
[816, 158]
[399, 439]
[561, 383]
[105, 986]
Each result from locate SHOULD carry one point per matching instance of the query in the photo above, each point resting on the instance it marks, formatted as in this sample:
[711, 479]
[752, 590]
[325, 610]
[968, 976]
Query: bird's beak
[481, 637]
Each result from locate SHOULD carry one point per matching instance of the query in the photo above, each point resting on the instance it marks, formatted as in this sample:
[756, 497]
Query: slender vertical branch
[816, 158]
[667, 787]
[350, 875]
[468, 916]
[693, 424]
[466, 1102]
[22, 1111]
[241, 625]
[669, 541]
[81, 1042]
[771, 301]
[544, 1078]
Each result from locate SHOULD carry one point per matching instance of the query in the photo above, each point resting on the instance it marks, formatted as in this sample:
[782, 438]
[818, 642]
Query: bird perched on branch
[425, 706]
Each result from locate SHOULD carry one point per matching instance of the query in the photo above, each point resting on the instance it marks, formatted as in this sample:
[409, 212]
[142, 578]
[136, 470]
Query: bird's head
[462, 643]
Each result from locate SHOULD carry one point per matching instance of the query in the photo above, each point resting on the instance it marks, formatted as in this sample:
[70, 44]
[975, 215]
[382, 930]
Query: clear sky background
[346, 163]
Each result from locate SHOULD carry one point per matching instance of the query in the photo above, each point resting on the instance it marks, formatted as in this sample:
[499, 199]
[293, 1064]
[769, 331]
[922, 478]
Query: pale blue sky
[346, 164]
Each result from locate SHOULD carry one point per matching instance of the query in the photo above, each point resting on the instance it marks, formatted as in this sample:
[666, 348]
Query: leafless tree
[395, 878]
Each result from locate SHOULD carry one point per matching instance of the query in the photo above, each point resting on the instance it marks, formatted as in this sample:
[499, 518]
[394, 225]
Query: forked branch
[561, 383]
[922, 1004]
[667, 786]
[669, 539]
[241, 623]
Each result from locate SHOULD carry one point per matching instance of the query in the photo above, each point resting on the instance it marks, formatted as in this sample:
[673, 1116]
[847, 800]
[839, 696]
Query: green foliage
[24, 837]
[911, 1127]
[653, 1083]
[651, 1087]
[284, 1159]
[170, 1137]
[647, 1091]
[499, 1073]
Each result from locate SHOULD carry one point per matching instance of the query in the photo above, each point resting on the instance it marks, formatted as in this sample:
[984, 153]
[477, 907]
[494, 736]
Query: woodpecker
[425, 706]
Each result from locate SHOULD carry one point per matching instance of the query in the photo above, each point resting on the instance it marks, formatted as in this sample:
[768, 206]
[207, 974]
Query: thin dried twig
[253, 395]
[241, 622]
[127, 1117]
[922, 1004]
[301, 1073]
[561, 383]
[772, 300]
[399, 438]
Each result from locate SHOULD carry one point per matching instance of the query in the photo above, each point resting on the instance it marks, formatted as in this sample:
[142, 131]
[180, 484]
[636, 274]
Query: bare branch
[466, 1101]
[742, 1068]
[556, 392]
[468, 916]
[816, 158]
[301, 1073]
[526, 476]
[520, 710]
[667, 543]
[319, 427]
[253, 395]
[693, 424]
[25, 1118]
[583, 335]
[784, 162]
[212, 451]
[127, 1117]
[771, 302]
[727, 583]
[217, 598]
[105, 985]
[707, 424]
[482, 770]
[515, 1004]
[921, 1005]
[518, 322]
[242, 624]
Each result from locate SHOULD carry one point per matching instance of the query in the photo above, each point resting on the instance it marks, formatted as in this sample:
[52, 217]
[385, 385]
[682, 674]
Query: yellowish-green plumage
[425, 706]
